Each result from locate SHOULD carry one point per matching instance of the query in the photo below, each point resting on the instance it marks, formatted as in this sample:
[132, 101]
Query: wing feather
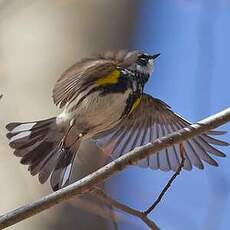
[83, 74]
[79, 77]
[153, 119]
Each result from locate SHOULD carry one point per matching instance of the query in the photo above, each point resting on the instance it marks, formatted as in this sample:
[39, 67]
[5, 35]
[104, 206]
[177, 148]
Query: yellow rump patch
[112, 78]
[135, 104]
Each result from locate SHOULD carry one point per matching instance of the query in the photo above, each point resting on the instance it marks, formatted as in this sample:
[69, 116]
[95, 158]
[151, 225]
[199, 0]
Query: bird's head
[138, 62]
[143, 65]
[145, 62]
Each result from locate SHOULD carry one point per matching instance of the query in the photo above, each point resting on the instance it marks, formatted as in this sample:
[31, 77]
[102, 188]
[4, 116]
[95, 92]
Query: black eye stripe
[143, 56]
[142, 61]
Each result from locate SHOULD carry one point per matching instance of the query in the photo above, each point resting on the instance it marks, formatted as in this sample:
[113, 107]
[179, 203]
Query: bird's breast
[97, 111]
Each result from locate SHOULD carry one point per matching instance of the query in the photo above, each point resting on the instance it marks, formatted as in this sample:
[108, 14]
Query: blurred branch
[89, 182]
[1, 96]
[134, 212]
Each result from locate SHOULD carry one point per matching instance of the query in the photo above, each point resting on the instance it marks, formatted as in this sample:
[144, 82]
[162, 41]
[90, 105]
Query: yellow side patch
[109, 79]
[135, 104]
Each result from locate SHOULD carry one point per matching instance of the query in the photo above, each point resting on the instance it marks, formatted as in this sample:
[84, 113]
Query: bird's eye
[142, 61]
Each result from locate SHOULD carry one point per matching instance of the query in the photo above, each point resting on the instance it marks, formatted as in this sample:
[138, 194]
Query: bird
[102, 98]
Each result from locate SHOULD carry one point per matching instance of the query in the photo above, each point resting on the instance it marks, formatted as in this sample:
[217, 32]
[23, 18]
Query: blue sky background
[191, 75]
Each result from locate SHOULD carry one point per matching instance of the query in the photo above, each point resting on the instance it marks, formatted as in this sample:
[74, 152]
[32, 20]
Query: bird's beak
[153, 57]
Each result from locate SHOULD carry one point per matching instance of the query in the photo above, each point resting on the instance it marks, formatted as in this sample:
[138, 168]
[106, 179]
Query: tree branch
[134, 212]
[87, 184]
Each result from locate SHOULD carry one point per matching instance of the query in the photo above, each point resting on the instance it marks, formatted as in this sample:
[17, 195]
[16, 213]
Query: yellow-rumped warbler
[103, 99]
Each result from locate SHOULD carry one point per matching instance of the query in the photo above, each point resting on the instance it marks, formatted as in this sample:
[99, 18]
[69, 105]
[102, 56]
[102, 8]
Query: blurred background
[40, 39]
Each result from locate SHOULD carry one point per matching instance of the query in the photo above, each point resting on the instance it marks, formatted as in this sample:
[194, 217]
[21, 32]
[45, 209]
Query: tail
[39, 144]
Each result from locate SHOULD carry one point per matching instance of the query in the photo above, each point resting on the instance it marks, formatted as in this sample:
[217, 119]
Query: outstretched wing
[153, 119]
[80, 78]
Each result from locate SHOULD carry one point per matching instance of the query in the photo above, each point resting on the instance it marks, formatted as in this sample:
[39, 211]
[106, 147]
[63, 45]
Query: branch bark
[87, 184]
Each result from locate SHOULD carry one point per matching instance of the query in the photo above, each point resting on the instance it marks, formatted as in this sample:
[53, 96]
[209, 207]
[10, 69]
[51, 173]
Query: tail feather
[30, 146]
[47, 165]
[22, 135]
[16, 127]
[21, 142]
[37, 166]
[63, 166]
[39, 144]
[38, 153]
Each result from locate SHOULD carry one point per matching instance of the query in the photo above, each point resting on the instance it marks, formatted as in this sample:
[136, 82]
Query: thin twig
[134, 212]
[165, 189]
[89, 182]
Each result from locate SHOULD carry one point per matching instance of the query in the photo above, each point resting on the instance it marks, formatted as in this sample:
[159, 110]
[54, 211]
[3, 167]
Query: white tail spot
[20, 135]
[23, 127]
[67, 173]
